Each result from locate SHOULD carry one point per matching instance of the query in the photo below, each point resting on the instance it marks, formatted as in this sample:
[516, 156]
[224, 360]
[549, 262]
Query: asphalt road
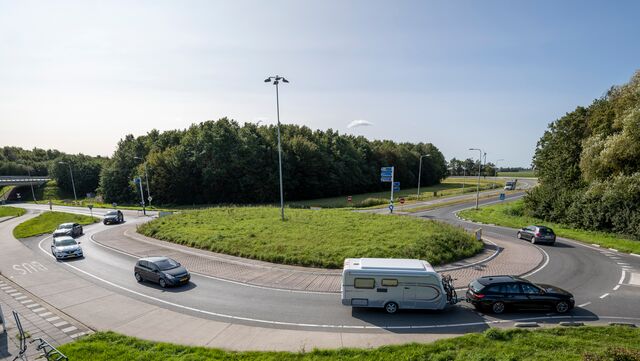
[590, 273]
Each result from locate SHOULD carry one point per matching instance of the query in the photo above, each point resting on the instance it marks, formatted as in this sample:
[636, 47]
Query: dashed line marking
[45, 314]
[69, 329]
[584, 304]
[605, 295]
[16, 294]
[51, 319]
[613, 250]
[76, 335]
[33, 305]
[20, 298]
[25, 302]
[39, 309]
[61, 323]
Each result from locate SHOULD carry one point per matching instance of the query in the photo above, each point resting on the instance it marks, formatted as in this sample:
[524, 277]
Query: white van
[393, 284]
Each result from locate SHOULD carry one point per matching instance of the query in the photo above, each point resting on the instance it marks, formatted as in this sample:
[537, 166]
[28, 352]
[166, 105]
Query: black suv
[113, 217]
[498, 293]
[537, 234]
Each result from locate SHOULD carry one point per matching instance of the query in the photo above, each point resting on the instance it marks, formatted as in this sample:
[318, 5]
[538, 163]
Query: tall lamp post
[146, 178]
[33, 194]
[276, 80]
[478, 185]
[420, 173]
[73, 184]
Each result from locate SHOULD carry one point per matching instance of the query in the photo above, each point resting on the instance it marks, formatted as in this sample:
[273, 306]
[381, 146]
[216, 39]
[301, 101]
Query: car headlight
[170, 276]
[571, 299]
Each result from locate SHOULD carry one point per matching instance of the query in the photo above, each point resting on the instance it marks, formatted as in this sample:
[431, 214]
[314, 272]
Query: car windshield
[112, 213]
[65, 242]
[167, 264]
[476, 286]
[546, 231]
[65, 226]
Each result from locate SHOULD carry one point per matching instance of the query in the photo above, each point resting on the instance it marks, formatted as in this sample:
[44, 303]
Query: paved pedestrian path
[498, 257]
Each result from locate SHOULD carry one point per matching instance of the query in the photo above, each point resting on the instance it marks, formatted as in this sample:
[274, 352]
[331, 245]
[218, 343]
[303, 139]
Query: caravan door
[409, 296]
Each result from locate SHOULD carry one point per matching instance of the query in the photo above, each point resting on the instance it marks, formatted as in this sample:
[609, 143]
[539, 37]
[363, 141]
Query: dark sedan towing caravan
[498, 293]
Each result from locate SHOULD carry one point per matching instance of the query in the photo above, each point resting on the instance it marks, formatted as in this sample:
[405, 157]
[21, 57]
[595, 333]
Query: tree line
[469, 167]
[588, 165]
[224, 162]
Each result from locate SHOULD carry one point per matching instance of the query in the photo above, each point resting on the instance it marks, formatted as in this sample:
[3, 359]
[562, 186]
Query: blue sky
[79, 75]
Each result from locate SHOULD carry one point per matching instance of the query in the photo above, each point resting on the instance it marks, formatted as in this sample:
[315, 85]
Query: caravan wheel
[391, 307]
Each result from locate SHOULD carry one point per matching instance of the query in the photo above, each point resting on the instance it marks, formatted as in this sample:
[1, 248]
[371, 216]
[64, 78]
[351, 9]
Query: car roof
[488, 280]
[153, 258]
[66, 224]
[63, 237]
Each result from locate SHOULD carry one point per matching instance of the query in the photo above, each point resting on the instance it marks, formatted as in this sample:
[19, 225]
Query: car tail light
[537, 234]
[479, 296]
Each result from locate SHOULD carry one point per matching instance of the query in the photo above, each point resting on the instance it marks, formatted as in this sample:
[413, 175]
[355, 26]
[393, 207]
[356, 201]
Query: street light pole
[33, 194]
[420, 173]
[276, 80]
[73, 184]
[146, 178]
[478, 185]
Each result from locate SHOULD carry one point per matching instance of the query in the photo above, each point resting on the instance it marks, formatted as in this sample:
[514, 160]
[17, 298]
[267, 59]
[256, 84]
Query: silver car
[66, 247]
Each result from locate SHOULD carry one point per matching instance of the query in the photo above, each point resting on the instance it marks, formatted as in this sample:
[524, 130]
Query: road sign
[114, 204]
[401, 200]
[386, 169]
[391, 207]
[149, 198]
[90, 206]
[385, 179]
[136, 180]
[349, 199]
[502, 196]
[396, 186]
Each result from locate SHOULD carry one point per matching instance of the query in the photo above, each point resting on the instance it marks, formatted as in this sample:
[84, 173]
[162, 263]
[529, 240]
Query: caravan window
[364, 283]
[389, 282]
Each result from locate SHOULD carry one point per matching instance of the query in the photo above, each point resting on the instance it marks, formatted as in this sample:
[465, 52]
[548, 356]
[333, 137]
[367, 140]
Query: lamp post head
[268, 80]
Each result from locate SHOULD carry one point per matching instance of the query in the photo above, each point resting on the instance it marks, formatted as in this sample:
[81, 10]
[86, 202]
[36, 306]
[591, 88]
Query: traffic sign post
[386, 175]
[90, 206]
[349, 199]
[502, 196]
[138, 182]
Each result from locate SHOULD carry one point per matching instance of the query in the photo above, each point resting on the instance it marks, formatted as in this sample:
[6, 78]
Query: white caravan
[393, 284]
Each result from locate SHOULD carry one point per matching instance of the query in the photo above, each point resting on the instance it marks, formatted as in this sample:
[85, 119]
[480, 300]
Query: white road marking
[69, 329]
[39, 309]
[75, 335]
[541, 267]
[33, 305]
[624, 273]
[605, 295]
[595, 245]
[61, 323]
[584, 304]
[616, 287]
[622, 263]
[635, 279]
[51, 319]
[25, 302]
[613, 249]
[20, 298]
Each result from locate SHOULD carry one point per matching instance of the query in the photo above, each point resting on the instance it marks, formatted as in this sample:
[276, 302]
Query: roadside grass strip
[322, 238]
[567, 343]
[6, 211]
[509, 215]
[47, 222]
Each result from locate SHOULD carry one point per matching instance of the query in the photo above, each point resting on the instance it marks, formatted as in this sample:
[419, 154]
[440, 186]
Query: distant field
[605, 343]
[523, 174]
[317, 238]
[449, 187]
[11, 211]
[47, 222]
[510, 215]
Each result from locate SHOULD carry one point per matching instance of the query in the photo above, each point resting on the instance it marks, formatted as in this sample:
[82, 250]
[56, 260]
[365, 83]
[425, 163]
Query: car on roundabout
[112, 217]
[66, 247]
[68, 229]
[161, 270]
[537, 234]
[500, 293]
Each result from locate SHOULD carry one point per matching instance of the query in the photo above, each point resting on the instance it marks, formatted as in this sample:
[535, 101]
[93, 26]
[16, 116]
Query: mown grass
[47, 222]
[511, 215]
[317, 238]
[522, 174]
[11, 211]
[449, 187]
[585, 343]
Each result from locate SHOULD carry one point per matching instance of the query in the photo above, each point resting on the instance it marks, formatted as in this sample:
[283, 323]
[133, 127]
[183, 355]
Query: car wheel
[162, 283]
[562, 307]
[533, 240]
[498, 307]
[519, 235]
[391, 307]
[138, 277]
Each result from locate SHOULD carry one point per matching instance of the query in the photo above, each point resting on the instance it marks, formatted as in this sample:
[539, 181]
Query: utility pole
[33, 194]
[479, 168]
[75, 197]
[146, 178]
[420, 173]
[276, 80]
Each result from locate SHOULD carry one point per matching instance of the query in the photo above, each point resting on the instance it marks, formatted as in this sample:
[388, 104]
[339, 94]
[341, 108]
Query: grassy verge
[449, 187]
[587, 343]
[429, 207]
[511, 215]
[47, 222]
[322, 238]
[11, 211]
[522, 174]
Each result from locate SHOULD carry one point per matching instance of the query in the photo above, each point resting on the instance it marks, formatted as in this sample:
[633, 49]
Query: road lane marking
[595, 245]
[613, 250]
[584, 304]
[605, 295]
[635, 279]
[624, 274]
[546, 255]
[616, 287]
[20, 298]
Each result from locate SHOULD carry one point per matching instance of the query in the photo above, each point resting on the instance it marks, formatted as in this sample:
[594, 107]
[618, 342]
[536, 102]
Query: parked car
[161, 270]
[537, 234]
[68, 229]
[499, 293]
[113, 217]
[66, 247]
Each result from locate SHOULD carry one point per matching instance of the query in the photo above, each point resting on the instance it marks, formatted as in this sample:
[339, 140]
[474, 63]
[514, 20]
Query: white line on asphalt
[613, 249]
[546, 255]
[622, 263]
[633, 254]
[605, 295]
[75, 335]
[622, 277]
[616, 287]
[584, 304]
[595, 245]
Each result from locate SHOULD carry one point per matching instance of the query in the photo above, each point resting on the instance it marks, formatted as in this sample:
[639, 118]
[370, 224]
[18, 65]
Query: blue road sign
[396, 186]
[385, 179]
[136, 180]
[386, 171]
[502, 196]
[391, 207]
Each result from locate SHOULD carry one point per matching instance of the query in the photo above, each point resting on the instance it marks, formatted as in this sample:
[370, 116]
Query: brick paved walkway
[39, 319]
[502, 257]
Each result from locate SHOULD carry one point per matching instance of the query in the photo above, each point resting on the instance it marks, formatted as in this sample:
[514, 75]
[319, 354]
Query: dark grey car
[68, 229]
[161, 270]
[537, 234]
[113, 217]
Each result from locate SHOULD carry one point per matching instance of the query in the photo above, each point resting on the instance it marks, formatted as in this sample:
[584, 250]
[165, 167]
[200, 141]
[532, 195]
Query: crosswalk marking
[635, 279]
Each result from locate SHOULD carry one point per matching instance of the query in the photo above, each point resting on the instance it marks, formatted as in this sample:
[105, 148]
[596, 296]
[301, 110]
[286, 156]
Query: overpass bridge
[22, 180]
